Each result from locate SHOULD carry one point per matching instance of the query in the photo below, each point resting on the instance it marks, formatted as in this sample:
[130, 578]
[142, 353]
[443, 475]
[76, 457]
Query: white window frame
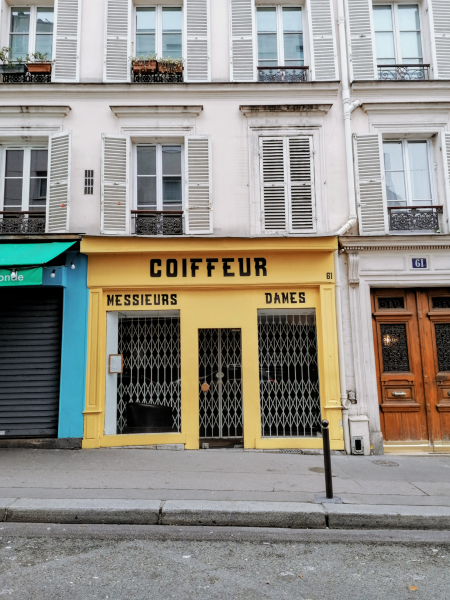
[33, 22]
[407, 171]
[158, 26]
[27, 148]
[159, 174]
[280, 32]
[396, 29]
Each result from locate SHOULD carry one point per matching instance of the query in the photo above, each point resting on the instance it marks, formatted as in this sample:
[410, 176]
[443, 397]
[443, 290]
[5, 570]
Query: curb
[292, 515]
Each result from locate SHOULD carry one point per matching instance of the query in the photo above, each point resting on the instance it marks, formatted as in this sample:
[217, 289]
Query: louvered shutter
[242, 40]
[115, 213]
[198, 180]
[439, 11]
[361, 40]
[370, 184]
[67, 41]
[274, 184]
[117, 67]
[322, 32]
[58, 195]
[445, 147]
[302, 213]
[197, 44]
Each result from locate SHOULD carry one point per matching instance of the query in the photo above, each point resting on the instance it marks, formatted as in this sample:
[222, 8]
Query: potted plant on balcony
[39, 63]
[147, 64]
[170, 65]
[9, 66]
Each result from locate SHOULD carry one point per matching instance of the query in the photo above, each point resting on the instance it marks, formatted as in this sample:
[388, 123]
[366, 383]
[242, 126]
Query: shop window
[159, 31]
[31, 31]
[288, 373]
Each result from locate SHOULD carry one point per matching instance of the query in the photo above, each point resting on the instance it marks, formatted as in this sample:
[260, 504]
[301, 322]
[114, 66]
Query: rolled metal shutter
[30, 362]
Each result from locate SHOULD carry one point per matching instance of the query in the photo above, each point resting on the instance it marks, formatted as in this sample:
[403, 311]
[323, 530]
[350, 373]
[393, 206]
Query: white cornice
[406, 91]
[156, 111]
[402, 107]
[260, 109]
[34, 111]
[426, 242]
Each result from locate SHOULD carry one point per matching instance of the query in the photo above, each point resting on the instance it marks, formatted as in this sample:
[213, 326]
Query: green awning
[15, 255]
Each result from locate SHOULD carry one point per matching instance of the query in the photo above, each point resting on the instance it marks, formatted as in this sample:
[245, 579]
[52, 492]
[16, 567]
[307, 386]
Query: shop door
[220, 384]
[30, 362]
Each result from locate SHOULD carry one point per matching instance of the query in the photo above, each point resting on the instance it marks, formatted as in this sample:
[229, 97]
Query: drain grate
[291, 451]
[385, 463]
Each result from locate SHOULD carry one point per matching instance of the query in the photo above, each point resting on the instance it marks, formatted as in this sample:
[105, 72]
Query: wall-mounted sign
[285, 298]
[419, 263]
[142, 300]
[19, 277]
[115, 364]
[190, 267]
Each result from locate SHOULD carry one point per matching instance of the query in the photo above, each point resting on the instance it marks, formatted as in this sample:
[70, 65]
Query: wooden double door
[412, 351]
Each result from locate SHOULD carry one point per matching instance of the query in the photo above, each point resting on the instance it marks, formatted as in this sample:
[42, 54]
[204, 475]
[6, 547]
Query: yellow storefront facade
[193, 340]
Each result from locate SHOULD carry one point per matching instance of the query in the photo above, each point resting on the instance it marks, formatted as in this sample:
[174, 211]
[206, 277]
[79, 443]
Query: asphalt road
[43, 562]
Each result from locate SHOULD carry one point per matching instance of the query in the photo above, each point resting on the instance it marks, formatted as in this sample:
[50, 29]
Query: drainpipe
[348, 107]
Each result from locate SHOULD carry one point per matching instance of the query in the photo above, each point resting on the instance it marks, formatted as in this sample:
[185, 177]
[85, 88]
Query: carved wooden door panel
[399, 365]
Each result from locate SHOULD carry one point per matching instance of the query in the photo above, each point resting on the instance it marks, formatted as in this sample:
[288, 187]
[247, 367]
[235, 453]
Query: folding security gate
[30, 361]
[288, 373]
[220, 383]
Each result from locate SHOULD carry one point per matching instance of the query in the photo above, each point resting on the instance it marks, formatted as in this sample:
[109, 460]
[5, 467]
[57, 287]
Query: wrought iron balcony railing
[20, 74]
[156, 77]
[22, 222]
[153, 222]
[403, 72]
[414, 218]
[283, 74]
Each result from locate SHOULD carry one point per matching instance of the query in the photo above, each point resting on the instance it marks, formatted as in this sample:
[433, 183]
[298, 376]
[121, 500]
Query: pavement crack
[418, 488]
[160, 514]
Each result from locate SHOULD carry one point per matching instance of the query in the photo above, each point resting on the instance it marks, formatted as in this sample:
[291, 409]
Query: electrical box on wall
[359, 435]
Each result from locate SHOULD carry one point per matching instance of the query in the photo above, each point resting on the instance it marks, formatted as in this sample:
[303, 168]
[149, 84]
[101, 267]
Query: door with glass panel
[280, 44]
[398, 41]
[220, 384]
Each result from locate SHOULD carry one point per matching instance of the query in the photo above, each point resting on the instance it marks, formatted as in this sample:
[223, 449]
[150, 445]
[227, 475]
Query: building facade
[249, 180]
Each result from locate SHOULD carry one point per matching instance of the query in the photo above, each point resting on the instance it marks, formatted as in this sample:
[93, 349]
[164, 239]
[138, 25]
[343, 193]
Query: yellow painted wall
[120, 269]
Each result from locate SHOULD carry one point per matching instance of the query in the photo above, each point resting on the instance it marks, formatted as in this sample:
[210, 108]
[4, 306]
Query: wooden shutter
[445, 147]
[197, 44]
[242, 40]
[274, 184]
[58, 196]
[302, 213]
[117, 67]
[198, 195]
[439, 11]
[370, 184]
[67, 41]
[322, 32]
[115, 213]
[361, 40]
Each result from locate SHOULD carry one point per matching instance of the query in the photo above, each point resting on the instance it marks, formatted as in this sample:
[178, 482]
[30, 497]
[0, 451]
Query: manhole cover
[385, 463]
[317, 469]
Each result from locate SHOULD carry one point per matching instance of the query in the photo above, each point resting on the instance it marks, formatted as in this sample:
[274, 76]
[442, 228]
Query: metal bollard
[327, 459]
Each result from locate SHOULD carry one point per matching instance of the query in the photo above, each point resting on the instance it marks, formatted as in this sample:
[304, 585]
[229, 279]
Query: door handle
[396, 394]
[448, 392]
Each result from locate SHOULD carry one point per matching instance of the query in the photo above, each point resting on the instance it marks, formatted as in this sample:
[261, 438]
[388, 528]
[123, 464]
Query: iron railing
[414, 218]
[403, 72]
[22, 222]
[153, 222]
[156, 77]
[283, 74]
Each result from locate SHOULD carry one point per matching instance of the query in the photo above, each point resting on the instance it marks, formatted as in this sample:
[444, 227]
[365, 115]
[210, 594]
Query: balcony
[154, 222]
[21, 74]
[417, 218]
[403, 72]
[283, 74]
[22, 222]
[148, 70]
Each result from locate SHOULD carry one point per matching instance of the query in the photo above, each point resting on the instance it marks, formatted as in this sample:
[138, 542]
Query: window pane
[171, 45]
[382, 18]
[145, 45]
[13, 193]
[172, 192]
[171, 19]
[19, 46]
[146, 192]
[293, 48]
[44, 45]
[411, 47]
[420, 187]
[292, 19]
[266, 20]
[395, 177]
[39, 163]
[14, 163]
[20, 20]
[145, 20]
[420, 176]
[146, 160]
[384, 43]
[171, 160]
[393, 156]
[408, 18]
[38, 192]
[45, 19]
[267, 50]
[395, 187]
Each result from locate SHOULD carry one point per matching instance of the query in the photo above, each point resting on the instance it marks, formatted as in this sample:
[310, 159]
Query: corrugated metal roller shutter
[30, 361]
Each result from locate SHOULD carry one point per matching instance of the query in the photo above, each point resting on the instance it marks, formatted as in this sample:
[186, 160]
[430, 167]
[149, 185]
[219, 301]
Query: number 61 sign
[419, 263]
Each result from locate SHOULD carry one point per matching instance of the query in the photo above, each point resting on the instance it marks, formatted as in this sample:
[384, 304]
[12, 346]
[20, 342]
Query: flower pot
[148, 67]
[170, 68]
[37, 67]
[19, 68]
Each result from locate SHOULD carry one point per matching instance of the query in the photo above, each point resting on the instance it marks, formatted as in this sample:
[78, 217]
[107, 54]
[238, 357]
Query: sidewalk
[228, 487]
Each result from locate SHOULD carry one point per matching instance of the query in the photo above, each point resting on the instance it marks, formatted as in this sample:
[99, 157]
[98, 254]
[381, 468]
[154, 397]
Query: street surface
[71, 562]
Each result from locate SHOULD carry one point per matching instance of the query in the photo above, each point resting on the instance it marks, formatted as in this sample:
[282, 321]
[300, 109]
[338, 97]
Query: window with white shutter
[117, 41]
[370, 184]
[445, 148]
[197, 46]
[67, 41]
[439, 11]
[198, 185]
[360, 39]
[287, 184]
[115, 210]
[58, 196]
[242, 40]
[324, 65]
